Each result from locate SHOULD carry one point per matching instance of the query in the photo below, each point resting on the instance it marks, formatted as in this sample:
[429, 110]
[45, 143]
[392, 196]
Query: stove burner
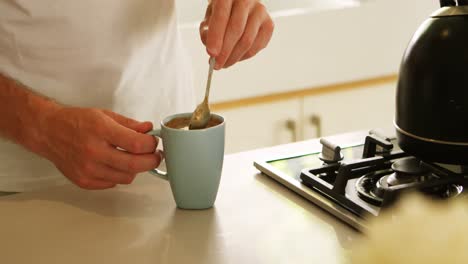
[367, 189]
[406, 171]
[409, 165]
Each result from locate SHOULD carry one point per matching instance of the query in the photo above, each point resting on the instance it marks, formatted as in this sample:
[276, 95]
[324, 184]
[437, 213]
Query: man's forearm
[23, 113]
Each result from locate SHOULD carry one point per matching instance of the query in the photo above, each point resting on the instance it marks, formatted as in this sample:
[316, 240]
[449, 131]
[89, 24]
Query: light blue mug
[194, 162]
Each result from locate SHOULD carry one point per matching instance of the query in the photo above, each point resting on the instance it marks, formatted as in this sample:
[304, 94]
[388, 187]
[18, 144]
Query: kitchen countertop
[255, 220]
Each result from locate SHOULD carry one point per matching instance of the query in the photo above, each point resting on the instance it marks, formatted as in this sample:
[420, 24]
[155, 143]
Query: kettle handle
[444, 3]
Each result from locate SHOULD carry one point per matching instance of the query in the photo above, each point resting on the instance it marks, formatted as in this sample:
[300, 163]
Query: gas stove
[358, 178]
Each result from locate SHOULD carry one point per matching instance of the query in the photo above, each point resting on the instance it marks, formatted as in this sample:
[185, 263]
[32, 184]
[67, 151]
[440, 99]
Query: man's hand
[95, 149]
[235, 30]
[82, 143]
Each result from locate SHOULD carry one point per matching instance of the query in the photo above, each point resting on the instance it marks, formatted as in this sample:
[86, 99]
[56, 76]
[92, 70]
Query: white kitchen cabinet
[345, 111]
[269, 124]
[261, 125]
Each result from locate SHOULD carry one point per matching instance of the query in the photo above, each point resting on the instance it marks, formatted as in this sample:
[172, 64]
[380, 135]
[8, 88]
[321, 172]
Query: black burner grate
[332, 178]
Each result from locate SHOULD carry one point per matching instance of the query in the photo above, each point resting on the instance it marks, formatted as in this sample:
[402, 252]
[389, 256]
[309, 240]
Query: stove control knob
[331, 153]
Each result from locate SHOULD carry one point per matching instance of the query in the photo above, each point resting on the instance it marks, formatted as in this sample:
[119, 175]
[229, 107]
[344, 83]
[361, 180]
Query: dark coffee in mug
[184, 122]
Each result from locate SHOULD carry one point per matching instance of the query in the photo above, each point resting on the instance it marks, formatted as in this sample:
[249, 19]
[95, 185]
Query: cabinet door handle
[316, 121]
[291, 125]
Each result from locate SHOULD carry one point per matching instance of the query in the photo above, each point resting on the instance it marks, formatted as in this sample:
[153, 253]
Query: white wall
[191, 12]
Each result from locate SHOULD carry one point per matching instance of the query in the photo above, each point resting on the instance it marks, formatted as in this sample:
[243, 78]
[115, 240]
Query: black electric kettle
[431, 118]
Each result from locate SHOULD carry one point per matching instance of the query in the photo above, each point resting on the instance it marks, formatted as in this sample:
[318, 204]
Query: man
[78, 77]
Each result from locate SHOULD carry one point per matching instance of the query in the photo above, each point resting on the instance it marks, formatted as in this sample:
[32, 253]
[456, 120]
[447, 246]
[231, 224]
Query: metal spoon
[201, 116]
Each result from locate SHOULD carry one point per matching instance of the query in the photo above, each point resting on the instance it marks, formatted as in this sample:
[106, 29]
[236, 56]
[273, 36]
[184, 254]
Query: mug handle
[155, 172]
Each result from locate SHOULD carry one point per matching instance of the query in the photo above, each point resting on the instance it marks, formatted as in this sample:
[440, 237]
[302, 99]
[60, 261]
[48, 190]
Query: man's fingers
[108, 174]
[205, 23]
[131, 141]
[131, 163]
[203, 32]
[248, 38]
[123, 120]
[99, 185]
[235, 29]
[221, 12]
[94, 184]
[133, 124]
[263, 37]
[144, 127]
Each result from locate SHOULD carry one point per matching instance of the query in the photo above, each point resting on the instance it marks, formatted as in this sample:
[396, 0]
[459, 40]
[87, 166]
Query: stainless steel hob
[356, 178]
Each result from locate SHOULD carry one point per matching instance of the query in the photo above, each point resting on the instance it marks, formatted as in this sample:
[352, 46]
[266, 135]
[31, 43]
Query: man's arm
[23, 114]
[81, 142]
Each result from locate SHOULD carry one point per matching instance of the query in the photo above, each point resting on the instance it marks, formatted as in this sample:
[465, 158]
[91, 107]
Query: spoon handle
[208, 82]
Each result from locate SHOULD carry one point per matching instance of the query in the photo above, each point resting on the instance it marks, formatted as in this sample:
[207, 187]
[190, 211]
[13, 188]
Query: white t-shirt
[123, 55]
